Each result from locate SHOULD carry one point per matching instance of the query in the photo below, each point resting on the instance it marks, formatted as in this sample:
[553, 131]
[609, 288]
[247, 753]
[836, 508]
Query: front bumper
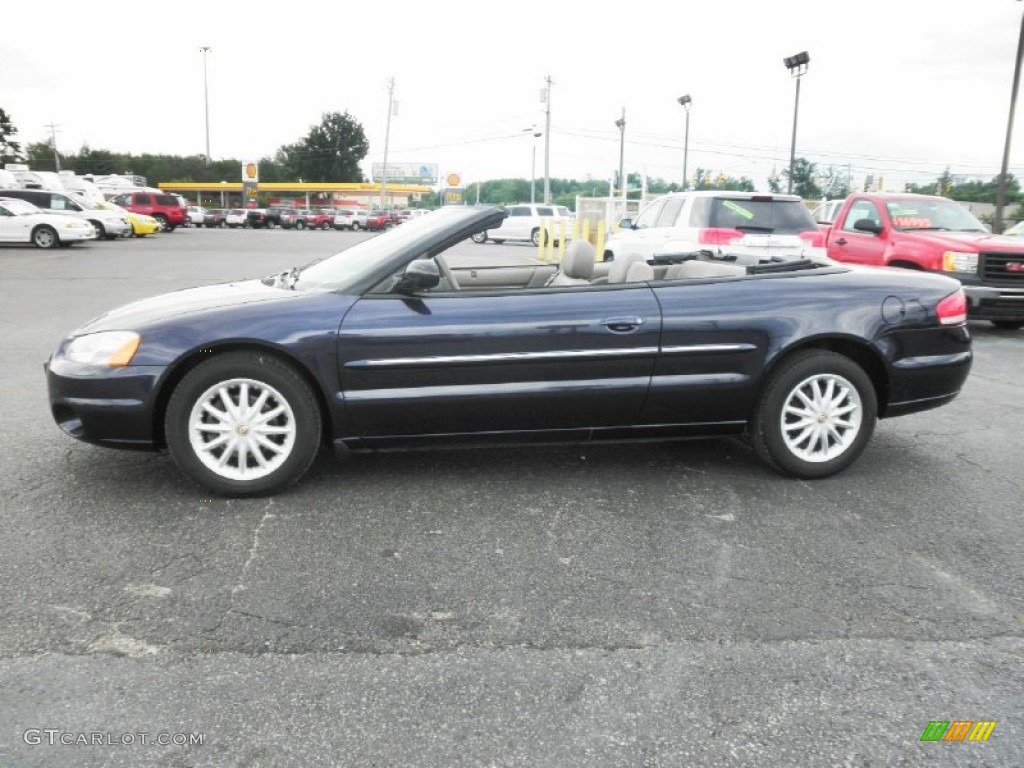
[992, 303]
[106, 406]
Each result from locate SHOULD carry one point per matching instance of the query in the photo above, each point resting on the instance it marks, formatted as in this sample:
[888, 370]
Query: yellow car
[142, 224]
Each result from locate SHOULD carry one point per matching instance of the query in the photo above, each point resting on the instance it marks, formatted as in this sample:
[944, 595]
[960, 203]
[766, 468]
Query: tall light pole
[387, 140]
[546, 98]
[797, 66]
[53, 144]
[621, 125]
[533, 163]
[997, 222]
[685, 102]
[206, 101]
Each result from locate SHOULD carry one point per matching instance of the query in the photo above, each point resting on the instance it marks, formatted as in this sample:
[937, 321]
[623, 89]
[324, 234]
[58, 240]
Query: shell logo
[250, 171]
[453, 180]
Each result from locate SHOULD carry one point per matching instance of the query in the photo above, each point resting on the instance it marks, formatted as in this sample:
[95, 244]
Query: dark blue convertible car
[391, 345]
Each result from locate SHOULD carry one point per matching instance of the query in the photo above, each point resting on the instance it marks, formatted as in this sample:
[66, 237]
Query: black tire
[300, 225]
[479, 237]
[222, 223]
[535, 237]
[162, 221]
[1008, 325]
[356, 226]
[804, 371]
[325, 226]
[45, 236]
[101, 232]
[260, 372]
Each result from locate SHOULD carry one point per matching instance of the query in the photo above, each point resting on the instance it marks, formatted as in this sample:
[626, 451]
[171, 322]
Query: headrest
[639, 271]
[578, 260]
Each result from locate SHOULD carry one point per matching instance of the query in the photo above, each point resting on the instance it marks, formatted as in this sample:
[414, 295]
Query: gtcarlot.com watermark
[55, 736]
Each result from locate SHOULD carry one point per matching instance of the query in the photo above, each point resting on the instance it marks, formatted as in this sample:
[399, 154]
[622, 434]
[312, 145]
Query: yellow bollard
[599, 241]
[561, 240]
[543, 238]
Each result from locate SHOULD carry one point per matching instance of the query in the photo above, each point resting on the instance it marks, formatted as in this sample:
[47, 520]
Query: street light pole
[206, 101]
[547, 139]
[686, 101]
[797, 66]
[533, 162]
[387, 140]
[621, 125]
[997, 222]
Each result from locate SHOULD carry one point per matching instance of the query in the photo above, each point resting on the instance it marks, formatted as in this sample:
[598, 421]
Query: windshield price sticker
[737, 208]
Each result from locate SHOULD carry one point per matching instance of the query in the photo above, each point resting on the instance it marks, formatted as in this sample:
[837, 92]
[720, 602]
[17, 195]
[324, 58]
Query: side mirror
[867, 225]
[419, 275]
[626, 224]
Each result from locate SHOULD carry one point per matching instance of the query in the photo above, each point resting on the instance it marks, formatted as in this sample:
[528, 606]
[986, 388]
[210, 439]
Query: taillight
[952, 310]
[718, 236]
[814, 238]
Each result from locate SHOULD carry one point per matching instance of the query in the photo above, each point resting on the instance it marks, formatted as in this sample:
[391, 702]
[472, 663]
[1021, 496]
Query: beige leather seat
[639, 272]
[695, 269]
[618, 269]
[577, 265]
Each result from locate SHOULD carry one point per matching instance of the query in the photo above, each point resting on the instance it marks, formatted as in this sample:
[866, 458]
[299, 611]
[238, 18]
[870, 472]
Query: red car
[166, 209]
[378, 220]
[319, 219]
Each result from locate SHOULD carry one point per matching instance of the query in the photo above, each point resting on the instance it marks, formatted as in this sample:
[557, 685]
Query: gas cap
[894, 311]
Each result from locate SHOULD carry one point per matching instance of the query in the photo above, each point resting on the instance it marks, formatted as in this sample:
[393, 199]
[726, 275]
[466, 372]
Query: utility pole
[621, 125]
[53, 143]
[387, 140]
[206, 101]
[547, 139]
[997, 223]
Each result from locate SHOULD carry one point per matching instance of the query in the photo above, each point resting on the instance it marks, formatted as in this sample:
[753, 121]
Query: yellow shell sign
[250, 170]
[453, 180]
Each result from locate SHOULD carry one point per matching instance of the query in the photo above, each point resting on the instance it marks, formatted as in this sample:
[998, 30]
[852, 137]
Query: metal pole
[1001, 191]
[387, 139]
[622, 151]
[547, 142]
[533, 173]
[792, 146]
[206, 101]
[686, 147]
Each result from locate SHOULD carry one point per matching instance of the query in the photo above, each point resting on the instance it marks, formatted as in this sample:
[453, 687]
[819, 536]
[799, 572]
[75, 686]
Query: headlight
[113, 348]
[955, 261]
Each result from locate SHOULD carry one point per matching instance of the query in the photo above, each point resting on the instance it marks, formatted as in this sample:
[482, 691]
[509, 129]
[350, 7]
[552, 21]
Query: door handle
[622, 324]
[841, 241]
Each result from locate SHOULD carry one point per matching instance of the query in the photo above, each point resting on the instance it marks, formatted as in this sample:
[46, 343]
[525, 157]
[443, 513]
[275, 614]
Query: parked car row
[353, 219]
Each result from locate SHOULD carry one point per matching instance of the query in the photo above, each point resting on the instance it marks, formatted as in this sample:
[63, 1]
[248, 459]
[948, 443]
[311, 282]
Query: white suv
[349, 218]
[525, 222]
[751, 226]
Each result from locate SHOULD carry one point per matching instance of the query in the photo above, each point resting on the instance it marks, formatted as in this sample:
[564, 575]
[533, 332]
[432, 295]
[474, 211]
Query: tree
[775, 182]
[803, 175]
[10, 150]
[834, 183]
[331, 151]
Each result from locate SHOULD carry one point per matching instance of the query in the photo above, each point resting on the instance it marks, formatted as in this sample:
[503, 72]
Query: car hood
[139, 314]
[982, 241]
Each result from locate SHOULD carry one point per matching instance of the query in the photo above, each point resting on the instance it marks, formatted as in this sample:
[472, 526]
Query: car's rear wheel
[815, 416]
[300, 225]
[479, 237]
[162, 221]
[45, 236]
[243, 424]
[1008, 325]
[535, 237]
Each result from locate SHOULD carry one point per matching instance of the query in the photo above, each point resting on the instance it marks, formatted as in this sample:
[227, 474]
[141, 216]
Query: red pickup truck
[934, 234]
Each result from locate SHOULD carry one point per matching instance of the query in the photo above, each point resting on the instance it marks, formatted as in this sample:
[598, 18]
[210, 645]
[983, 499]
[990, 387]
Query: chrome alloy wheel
[821, 417]
[242, 429]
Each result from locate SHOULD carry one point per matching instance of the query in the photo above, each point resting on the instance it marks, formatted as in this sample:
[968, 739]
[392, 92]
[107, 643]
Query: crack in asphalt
[176, 655]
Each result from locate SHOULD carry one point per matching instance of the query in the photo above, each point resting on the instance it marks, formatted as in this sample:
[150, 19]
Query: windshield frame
[365, 264]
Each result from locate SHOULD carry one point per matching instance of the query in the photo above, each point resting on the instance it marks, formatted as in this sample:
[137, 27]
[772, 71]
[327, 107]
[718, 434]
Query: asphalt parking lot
[673, 604]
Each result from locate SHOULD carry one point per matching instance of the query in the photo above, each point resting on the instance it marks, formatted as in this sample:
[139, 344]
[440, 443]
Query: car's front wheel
[45, 236]
[815, 416]
[243, 424]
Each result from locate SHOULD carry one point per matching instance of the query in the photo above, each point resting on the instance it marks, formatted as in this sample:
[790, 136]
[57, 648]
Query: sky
[899, 89]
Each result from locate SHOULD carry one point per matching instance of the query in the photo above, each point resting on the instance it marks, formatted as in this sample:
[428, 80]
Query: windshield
[365, 258]
[787, 217]
[20, 207]
[910, 213]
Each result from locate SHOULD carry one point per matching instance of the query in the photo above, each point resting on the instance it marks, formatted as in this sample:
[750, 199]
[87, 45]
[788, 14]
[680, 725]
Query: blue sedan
[388, 344]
